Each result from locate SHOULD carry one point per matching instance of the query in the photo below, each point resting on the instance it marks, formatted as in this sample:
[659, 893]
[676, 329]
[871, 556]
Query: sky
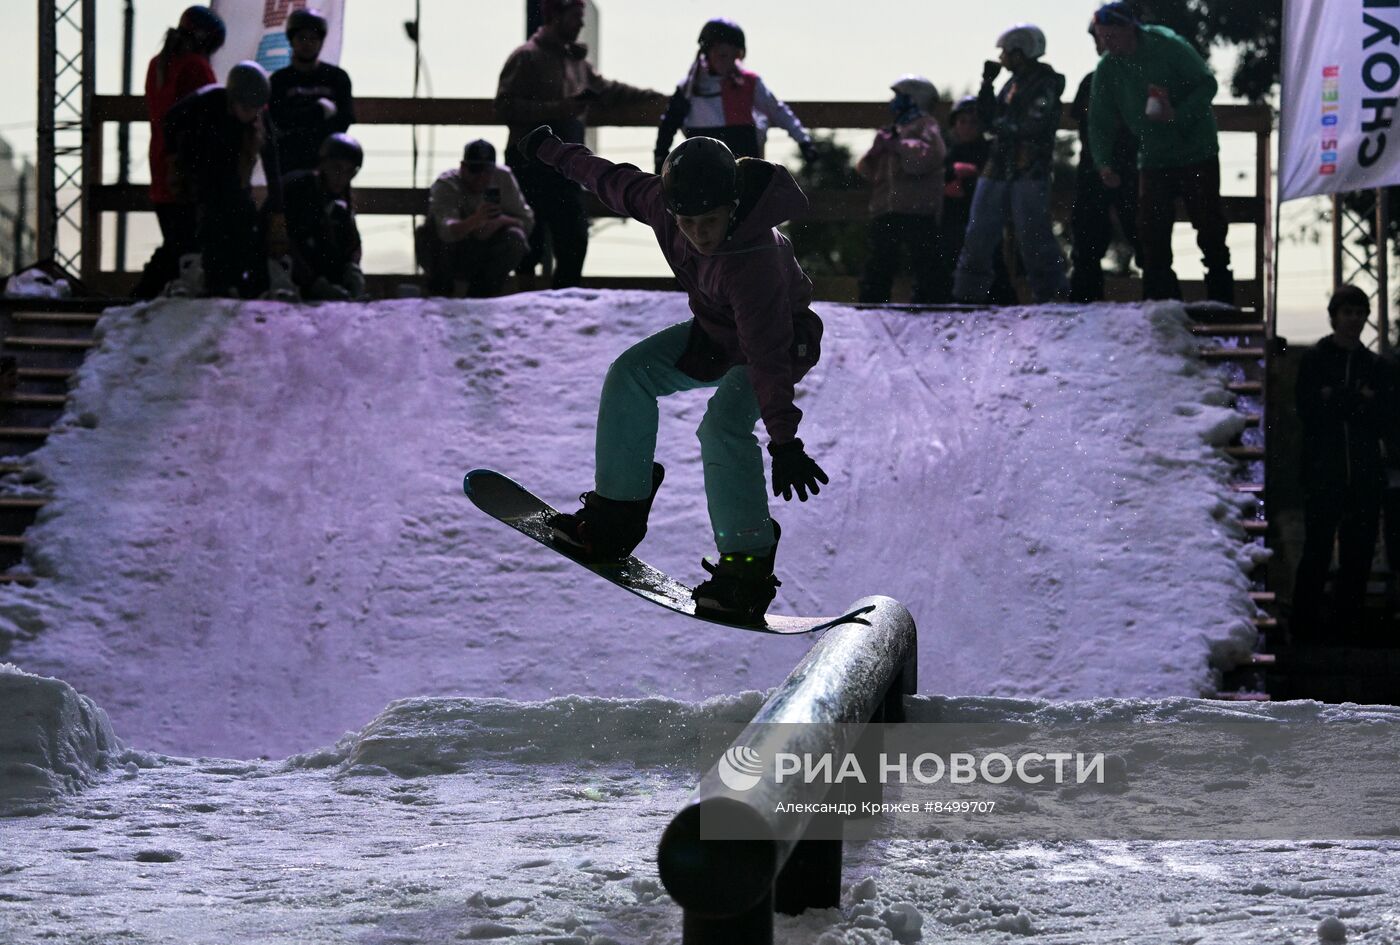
[829, 55]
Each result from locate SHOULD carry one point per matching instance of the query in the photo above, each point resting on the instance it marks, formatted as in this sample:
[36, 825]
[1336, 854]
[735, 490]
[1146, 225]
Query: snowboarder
[753, 336]
[719, 98]
[311, 99]
[1015, 184]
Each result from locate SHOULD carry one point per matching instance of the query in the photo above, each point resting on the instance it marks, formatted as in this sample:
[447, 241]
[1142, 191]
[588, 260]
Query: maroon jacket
[751, 300]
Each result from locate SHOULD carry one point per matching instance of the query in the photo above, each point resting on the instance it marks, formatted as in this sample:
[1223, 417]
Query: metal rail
[730, 858]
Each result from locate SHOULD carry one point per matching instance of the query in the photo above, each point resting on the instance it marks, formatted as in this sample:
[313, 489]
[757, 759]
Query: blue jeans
[1026, 205]
[735, 485]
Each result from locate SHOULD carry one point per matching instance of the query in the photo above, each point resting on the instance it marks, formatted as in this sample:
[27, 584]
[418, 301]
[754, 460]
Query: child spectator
[181, 67]
[905, 167]
[720, 99]
[1015, 184]
[323, 239]
[216, 137]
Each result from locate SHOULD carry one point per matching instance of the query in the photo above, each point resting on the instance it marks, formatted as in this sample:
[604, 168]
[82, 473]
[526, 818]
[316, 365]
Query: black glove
[529, 145]
[809, 151]
[990, 70]
[793, 469]
[587, 95]
[660, 158]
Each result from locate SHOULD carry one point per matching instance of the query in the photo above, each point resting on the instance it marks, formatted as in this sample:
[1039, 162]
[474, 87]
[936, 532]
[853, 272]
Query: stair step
[24, 433]
[1245, 453]
[23, 502]
[1232, 354]
[1263, 624]
[1249, 488]
[1263, 597]
[1245, 387]
[55, 318]
[54, 344]
[1253, 420]
[1229, 328]
[1255, 526]
[56, 401]
[27, 580]
[11, 541]
[45, 374]
[1262, 659]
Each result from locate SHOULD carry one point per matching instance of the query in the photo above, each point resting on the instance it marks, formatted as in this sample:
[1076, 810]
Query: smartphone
[492, 195]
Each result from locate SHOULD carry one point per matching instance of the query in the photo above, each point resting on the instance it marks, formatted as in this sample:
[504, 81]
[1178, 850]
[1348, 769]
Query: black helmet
[341, 146]
[720, 30]
[307, 19]
[208, 24]
[698, 176]
[968, 103]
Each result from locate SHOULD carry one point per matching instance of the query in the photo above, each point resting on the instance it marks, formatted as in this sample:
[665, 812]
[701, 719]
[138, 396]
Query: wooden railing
[825, 205]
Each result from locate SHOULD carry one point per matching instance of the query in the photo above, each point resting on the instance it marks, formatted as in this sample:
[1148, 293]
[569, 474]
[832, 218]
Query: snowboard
[508, 502]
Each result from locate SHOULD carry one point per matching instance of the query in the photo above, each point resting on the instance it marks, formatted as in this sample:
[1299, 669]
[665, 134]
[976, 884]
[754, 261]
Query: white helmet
[920, 90]
[1026, 37]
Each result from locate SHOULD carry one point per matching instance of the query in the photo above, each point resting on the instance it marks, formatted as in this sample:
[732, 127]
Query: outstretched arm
[623, 188]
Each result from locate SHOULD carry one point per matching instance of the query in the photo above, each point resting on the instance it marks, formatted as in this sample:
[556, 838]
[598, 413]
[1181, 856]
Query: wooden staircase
[48, 338]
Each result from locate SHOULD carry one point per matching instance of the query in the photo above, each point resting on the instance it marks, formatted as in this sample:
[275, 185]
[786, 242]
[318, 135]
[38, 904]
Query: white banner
[1341, 96]
[257, 30]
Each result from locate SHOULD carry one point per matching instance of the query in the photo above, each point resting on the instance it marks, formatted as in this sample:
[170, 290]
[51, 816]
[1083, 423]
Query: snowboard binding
[740, 586]
[606, 529]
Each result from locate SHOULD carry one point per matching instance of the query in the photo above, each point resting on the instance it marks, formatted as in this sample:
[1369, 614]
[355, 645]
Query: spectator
[1091, 223]
[1015, 184]
[720, 99]
[216, 137]
[1153, 82]
[752, 339]
[478, 226]
[181, 67]
[311, 99]
[1344, 399]
[905, 167]
[968, 153]
[548, 80]
[322, 236]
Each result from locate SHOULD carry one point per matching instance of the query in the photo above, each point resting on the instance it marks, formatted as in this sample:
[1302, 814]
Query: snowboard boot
[606, 529]
[740, 587]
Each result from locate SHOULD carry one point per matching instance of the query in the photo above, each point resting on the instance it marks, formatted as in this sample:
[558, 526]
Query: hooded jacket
[905, 169]
[1342, 433]
[1022, 118]
[751, 300]
[541, 83]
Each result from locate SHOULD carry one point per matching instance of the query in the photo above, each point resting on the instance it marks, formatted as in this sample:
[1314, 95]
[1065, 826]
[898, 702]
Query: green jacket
[1120, 96]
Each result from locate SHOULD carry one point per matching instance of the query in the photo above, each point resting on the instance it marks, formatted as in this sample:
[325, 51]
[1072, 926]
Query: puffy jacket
[905, 167]
[1022, 118]
[735, 108]
[1342, 433]
[1120, 97]
[540, 84]
[751, 300]
[184, 73]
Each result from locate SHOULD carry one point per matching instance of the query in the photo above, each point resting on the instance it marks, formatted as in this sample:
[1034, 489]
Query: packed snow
[347, 707]
[258, 537]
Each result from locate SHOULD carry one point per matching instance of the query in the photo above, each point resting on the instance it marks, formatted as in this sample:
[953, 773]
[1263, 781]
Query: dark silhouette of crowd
[963, 207]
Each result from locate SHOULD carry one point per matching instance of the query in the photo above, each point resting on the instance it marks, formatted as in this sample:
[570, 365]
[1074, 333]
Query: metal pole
[48, 204]
[21, 218]
[1383, 268]
[90, 221]
[124, 131]
[534, 17]
[1337, 211]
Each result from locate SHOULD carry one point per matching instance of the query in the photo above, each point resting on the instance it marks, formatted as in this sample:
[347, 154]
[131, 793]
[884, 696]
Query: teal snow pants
[735, 484]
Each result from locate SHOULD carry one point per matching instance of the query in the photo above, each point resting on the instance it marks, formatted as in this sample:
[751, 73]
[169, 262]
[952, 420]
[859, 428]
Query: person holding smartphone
[478, 226]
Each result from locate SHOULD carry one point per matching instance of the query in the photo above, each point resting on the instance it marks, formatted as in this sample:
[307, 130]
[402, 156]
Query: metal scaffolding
[1360, 256]
[66, 170]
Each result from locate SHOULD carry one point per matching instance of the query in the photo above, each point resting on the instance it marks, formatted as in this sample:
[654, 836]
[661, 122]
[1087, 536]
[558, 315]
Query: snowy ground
[258, 537]
[468, 819]
[258, 543]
